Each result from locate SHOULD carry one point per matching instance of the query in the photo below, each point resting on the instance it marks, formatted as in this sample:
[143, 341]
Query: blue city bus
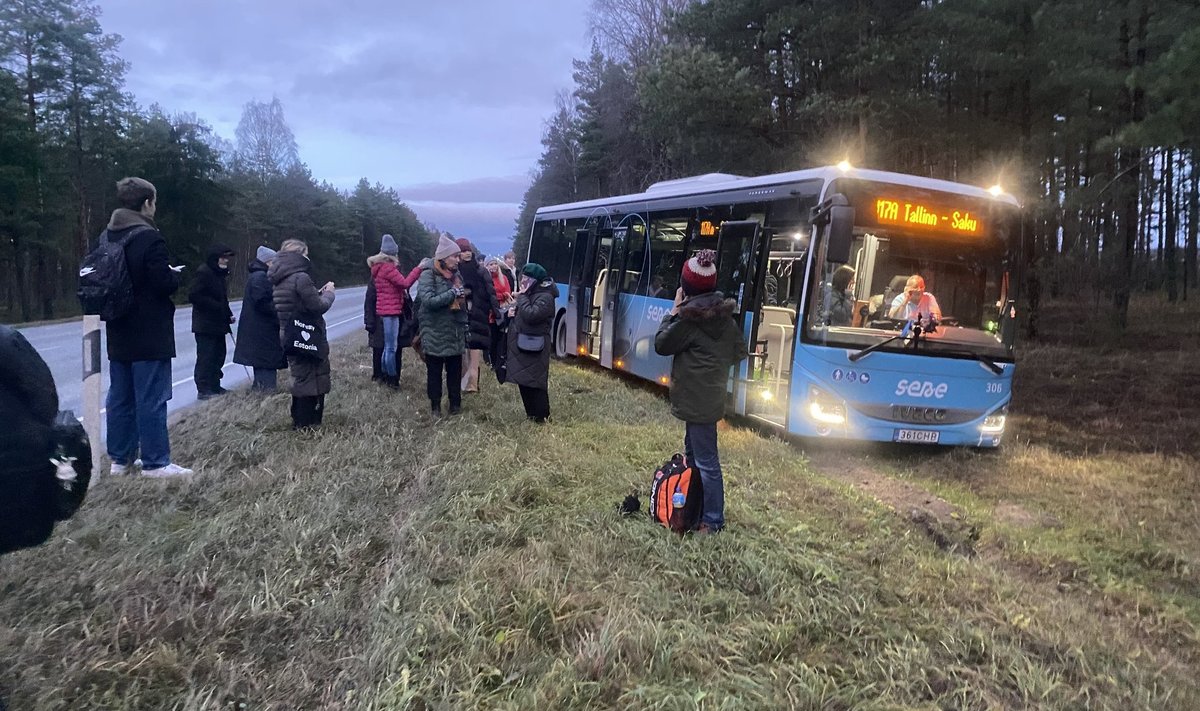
[865, 369]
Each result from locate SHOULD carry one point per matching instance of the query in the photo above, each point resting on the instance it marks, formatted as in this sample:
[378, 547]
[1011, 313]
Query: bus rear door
[580, 320]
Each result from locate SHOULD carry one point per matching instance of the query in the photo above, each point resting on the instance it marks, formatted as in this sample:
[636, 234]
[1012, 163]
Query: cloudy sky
[444, 100]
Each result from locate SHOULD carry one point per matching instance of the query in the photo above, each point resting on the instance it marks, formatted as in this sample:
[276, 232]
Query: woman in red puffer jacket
[391, 289]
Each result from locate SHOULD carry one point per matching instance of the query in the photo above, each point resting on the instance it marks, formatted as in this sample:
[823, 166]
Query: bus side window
[667, 231]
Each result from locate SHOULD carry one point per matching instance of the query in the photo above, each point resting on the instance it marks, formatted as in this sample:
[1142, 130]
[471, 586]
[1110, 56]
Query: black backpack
[105, 287]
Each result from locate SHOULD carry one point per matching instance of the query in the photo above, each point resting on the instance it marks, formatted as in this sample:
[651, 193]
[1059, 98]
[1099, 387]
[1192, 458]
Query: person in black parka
[530, 369]
[481, 307]
[34, 492]
[374, 327]
[211, 317]
[258, 343]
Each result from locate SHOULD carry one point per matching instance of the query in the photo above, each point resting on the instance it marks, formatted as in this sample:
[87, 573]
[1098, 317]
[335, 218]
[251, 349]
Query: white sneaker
[123, 469]
[168, 471]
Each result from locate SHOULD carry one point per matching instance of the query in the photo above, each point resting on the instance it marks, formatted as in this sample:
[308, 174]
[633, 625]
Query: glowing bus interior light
[844, 166]
[996, 190]
[937, 218]
[707, 228]
[767, 395]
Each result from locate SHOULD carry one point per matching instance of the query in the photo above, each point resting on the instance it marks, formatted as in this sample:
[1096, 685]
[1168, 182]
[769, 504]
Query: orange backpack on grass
[677, 495]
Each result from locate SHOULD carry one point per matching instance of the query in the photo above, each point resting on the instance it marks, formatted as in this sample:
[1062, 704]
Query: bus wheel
[560, 339]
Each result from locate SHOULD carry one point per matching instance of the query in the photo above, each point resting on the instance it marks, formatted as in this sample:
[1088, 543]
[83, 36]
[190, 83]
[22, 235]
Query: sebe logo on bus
[922, 388]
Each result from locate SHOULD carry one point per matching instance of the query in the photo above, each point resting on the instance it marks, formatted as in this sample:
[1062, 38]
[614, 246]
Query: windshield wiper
[855, 357]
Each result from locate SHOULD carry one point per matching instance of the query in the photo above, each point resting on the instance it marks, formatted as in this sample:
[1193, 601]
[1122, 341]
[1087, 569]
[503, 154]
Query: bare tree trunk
[1169, 225]
[1193, 211]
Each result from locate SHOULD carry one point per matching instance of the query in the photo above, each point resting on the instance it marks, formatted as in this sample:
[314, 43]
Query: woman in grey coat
[295, 294]
[529, 365]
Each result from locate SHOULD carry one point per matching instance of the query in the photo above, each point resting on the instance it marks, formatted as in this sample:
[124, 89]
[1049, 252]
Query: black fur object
[629, 506]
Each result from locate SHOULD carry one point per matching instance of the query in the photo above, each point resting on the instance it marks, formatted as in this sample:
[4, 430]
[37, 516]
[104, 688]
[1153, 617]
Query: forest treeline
[69, 131]
[1087, 110]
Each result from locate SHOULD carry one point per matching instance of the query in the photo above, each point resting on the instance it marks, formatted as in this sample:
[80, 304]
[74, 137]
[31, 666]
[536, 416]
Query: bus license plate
[917, 436]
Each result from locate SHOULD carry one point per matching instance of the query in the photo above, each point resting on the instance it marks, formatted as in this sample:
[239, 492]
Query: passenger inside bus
[837, 298]
[915, 302]
[656, 289]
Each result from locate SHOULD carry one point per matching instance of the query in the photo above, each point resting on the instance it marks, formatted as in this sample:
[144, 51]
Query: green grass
[393, 561]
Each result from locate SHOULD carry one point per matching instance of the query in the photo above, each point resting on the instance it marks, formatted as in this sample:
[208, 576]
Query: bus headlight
[824, 408]
[994, 423]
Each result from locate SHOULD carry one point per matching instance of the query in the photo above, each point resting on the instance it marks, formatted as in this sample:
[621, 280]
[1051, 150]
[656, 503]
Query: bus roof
[712, 183]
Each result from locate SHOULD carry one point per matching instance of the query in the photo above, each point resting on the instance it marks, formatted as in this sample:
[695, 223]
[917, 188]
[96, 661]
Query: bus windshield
[958, 291]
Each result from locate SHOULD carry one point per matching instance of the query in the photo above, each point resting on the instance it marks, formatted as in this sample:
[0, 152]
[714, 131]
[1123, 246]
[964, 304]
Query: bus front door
[742, 252]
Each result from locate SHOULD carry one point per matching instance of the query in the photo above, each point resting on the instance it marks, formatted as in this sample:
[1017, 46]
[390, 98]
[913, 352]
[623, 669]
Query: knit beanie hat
[700, 273]
[264, 254]
[388, 246]
[446, 248]
[464, 245]
[534, 271]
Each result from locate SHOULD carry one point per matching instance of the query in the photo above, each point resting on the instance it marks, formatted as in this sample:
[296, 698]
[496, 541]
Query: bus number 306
[995, 387]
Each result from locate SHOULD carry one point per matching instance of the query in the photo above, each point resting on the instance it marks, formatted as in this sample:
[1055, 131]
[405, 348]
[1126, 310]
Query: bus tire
[560, 338]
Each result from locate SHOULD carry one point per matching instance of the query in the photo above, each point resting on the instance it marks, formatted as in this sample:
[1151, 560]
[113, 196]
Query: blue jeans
[700, 447]
[391, 336]
[137, 412]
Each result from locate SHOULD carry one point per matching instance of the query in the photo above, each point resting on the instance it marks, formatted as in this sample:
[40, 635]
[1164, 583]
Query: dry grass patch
[391, 561]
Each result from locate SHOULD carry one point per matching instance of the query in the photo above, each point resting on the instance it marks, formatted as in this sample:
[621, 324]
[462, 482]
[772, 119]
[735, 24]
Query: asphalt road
[61, 346]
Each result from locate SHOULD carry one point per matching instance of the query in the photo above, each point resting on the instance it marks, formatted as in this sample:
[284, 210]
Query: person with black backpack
[45, 459]
[705, 341]
[140, 327]
[211, 319]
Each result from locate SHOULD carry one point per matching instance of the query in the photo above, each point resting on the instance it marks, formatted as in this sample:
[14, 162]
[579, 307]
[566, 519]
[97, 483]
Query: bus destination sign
[907, 213]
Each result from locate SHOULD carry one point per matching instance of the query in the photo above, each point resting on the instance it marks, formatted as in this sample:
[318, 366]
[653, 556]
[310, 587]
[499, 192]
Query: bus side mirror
[841, 234]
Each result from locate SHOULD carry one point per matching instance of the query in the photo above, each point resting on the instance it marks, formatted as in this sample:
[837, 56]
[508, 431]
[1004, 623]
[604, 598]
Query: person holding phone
[295, 294]
[915, 302]
[141, 343]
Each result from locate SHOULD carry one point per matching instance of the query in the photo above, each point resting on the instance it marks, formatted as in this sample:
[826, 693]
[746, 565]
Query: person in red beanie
[704, 341]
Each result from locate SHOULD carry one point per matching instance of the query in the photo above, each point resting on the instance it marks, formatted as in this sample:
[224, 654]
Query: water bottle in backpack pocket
[677, 495]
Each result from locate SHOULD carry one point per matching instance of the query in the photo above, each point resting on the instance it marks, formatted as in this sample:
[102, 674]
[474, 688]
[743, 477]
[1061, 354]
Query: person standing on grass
[391, 289]
[442, 313]
[141, 343]
[499, 321]
[481, 308]
[295, 295]
[373, 325]
[211, 319]
[704, 341]
[529, 341]
[258, 343]
[35, 491]
[508, 268]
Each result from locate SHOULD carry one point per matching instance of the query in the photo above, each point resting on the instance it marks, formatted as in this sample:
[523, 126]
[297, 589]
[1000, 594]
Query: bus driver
[915, 301]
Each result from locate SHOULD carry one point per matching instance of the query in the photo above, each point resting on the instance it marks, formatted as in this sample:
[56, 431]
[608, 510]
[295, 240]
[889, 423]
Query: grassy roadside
[390, 561]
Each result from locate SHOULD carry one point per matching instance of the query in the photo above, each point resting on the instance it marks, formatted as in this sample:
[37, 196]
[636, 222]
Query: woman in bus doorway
[529, 341]
[443, 317]
[705, 342]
